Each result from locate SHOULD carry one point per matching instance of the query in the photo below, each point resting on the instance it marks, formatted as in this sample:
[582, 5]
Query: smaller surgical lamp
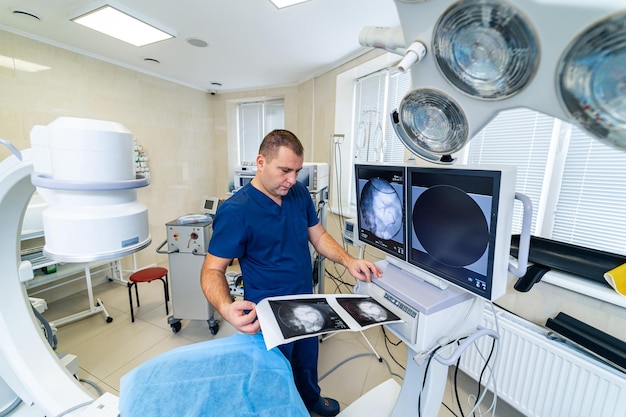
[431, 125]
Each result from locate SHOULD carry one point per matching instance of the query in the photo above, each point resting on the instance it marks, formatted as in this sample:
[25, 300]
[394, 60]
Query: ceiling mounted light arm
[414, 54]
[388, 39]
[392, 40]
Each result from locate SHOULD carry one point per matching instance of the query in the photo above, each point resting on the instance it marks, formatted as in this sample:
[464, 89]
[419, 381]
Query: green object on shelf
[51, 269]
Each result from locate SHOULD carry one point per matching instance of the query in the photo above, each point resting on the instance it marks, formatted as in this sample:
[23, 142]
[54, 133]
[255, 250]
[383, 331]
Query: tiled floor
[106, 351]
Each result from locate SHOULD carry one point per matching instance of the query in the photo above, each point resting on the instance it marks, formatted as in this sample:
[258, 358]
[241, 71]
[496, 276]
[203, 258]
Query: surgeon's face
[278, 174]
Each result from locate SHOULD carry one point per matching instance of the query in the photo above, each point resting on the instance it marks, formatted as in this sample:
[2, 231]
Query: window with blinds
[591, 209]
[578, 193]
[518, 137]
[254, 121]
[376, 95]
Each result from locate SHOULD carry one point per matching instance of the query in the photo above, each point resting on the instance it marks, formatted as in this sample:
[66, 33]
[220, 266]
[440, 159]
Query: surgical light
[431, 125]
[285, 3]
[486, 49]
[591, 80]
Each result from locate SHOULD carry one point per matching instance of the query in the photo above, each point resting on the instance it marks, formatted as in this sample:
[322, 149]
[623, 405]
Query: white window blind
[590, 206]
[255, 120]
[399, 85]
[376, 95]
[591, 209]
[521, 138]
[370, 105]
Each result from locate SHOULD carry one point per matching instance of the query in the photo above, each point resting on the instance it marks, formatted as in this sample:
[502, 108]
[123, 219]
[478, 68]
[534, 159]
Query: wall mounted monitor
[459, 225]
[380, 202]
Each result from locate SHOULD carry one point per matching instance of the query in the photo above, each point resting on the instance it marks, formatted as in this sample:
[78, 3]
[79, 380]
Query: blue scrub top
[270, 241]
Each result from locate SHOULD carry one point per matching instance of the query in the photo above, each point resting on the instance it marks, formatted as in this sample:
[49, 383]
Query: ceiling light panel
[284, 3]
[122, 26]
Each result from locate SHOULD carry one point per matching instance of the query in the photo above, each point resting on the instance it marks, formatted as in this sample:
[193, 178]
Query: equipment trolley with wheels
[187, 244]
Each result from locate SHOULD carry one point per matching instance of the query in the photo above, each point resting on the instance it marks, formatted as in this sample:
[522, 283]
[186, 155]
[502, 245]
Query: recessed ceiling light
[197, 42]
[284, 3]
[121, 25]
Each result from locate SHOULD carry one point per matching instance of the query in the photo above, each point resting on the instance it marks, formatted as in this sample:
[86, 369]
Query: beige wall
[173, 123]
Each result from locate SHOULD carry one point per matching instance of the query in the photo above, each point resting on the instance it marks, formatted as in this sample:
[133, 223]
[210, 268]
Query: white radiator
[546, 378]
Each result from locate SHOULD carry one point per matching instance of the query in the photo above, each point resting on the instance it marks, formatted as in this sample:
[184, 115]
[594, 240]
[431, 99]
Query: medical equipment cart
[187, 245]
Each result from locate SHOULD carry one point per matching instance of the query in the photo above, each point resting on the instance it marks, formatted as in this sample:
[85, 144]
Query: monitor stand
[439, 324]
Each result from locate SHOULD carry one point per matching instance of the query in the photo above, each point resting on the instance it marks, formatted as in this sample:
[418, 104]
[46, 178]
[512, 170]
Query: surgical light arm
[392, 40]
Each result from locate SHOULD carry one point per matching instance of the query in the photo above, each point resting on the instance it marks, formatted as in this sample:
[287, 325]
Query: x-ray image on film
[289, 318]
[301, 317]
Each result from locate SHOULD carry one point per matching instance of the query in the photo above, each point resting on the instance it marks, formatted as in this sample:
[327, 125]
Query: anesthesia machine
[84, 170]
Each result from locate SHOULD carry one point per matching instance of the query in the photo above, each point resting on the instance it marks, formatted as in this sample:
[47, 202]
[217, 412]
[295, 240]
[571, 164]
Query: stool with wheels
[148, 275]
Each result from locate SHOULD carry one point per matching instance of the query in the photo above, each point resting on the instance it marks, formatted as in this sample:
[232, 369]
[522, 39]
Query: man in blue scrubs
[267, 226]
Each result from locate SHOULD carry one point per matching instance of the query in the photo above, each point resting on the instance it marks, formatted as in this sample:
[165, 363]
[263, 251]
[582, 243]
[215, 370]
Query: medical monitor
[459, 225]
[314, 175]
[380, 202]
[209, 205]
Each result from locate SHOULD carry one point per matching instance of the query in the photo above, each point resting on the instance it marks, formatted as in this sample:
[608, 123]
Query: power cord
[359, 355]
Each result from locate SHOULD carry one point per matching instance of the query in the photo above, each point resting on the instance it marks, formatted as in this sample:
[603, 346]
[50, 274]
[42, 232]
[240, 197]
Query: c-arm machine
[93, 215]
[28, 366]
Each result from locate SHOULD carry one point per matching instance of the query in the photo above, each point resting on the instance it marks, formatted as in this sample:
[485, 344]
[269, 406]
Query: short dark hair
[277, 138]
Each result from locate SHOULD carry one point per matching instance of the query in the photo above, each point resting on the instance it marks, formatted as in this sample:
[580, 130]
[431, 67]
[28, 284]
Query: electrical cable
[388, 340]
[482, 372]
[491, 380]
[93, 385]
[76, 407]
[456, 386]
[449, 409]
[338, 282]
[359, 355]
[430, 358]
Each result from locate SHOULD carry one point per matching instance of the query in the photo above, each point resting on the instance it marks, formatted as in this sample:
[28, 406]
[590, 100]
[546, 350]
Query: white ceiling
[251, 43]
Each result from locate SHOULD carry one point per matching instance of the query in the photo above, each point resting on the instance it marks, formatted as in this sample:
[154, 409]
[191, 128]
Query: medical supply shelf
[65, 274]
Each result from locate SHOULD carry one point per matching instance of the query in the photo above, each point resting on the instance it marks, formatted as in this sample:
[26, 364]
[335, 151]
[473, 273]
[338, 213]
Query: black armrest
[576, 260]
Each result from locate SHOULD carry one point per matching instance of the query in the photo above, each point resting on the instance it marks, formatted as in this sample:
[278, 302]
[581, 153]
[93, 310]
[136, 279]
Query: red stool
[147, 275]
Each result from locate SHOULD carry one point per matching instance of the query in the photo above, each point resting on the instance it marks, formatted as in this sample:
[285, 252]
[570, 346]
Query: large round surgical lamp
[486, 49]
[84, 170]
[591, 80]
